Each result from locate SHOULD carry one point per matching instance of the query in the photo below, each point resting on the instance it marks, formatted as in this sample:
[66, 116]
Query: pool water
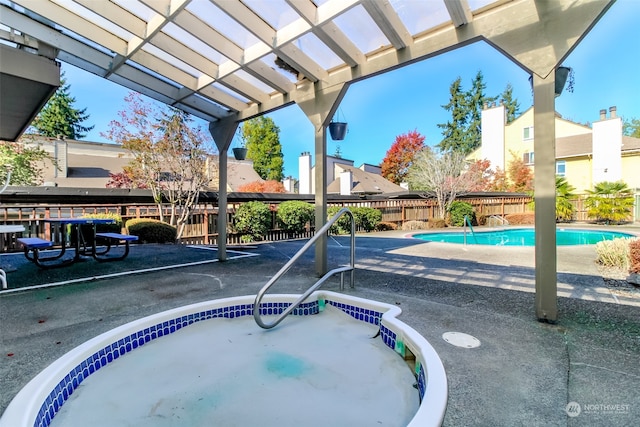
[523, 237]
[311, 371]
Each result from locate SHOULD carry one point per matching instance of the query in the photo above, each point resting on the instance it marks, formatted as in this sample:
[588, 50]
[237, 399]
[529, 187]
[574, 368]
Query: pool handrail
[502, 220]
[466, 221]
[319, 282]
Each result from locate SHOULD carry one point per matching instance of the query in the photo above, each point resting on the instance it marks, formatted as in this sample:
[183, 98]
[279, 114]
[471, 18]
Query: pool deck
[523, 373]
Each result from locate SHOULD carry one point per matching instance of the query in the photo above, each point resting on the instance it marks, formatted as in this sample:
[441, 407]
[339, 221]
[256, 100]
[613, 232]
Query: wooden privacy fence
[399, 211]
[202, 226]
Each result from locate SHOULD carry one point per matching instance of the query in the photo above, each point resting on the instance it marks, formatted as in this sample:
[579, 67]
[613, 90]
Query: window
[527, 133]
[527, 158]
[561, 168]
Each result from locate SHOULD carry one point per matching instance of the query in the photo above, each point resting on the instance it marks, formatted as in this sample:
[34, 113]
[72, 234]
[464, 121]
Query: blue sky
[607, 73]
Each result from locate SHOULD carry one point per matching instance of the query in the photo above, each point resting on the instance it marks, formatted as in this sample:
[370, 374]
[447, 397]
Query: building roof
[582, 145]
[239, 173]
[364, 182]
[90, 163]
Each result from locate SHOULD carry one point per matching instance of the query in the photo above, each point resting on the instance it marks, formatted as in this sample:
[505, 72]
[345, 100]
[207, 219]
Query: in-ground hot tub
[337, 360]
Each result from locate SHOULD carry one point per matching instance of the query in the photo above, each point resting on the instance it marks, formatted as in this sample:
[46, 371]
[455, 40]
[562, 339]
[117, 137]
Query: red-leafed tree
[399, 158]
[120, 180]
[520, 175]
[500, 181]
[480, 175]
[124, 180]
[270, 186]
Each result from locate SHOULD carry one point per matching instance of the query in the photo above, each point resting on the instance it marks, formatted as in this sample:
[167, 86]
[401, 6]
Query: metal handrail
[464, 229]
[502, 220]
[287, 266]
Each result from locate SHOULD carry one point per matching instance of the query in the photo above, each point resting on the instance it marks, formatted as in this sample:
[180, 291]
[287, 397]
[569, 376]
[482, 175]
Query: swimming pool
[190, 367]
[522, 237]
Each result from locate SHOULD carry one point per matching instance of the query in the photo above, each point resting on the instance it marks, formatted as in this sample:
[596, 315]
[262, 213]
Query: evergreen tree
[631, 127]
[262, 139]
[463, 132]
[476, 98]
[58, 117]
[454, 130]
[511, 105]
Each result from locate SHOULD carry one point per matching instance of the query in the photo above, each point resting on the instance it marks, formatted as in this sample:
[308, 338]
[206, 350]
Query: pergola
[227, 61]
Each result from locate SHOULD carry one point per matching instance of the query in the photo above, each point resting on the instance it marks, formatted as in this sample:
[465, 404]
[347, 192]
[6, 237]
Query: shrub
[609, 202]
[436, 223]
[564, 193]
[386, 226]
[634, 256]
[343, 225]
[252, 220]
[613, 253]
[457, 212]
[415, 225]
[366, 218]
[525, 218]
[151, 230]
[294, 215]
[116, 227]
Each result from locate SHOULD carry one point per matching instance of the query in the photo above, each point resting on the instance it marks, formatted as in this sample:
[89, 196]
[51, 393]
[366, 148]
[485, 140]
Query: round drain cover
[461, 340]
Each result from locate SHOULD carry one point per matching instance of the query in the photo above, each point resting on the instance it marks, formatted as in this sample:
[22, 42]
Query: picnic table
[84, 246]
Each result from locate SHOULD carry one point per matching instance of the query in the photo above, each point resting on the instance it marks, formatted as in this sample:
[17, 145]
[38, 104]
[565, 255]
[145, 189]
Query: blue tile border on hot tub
[422, 382]
[362, 314]
[65, 388]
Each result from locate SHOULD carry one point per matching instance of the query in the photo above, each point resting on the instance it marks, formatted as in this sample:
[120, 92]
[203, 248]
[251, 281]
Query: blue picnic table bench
[33, 245]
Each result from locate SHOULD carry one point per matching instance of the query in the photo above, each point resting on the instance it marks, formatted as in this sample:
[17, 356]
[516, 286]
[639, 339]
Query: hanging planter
[240, 153]
[562, 75]
[338, 130]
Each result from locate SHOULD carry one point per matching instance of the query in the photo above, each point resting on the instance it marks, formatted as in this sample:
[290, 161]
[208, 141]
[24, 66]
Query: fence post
[205, 225]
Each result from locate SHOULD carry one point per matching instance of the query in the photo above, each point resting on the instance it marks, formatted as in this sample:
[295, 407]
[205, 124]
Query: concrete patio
[523, 373]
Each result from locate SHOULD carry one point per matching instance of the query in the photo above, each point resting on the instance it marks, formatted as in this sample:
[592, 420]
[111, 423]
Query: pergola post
[319, 107]
[544, 132]
[222, 133]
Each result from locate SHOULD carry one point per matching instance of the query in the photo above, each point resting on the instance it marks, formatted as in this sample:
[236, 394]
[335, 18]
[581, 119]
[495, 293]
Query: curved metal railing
[503, 221]
[287, 266]
[467, 221]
